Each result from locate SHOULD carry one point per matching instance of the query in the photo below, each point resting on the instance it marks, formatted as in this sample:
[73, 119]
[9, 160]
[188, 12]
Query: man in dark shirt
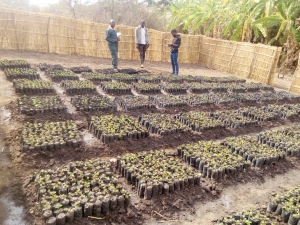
[113, 39]
[174, 46]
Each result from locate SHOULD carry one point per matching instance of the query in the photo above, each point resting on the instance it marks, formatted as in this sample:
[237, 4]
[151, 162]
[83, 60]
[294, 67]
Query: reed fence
[21, 30]
[295, 85]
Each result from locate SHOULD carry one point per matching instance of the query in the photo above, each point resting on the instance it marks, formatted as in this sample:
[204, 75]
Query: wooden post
[47, 34]
[96, 31]
[252, 63]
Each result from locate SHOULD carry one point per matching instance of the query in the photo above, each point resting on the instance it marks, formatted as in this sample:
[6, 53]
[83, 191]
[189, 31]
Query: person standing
[142, 41]
[113, 39]
[174, 46]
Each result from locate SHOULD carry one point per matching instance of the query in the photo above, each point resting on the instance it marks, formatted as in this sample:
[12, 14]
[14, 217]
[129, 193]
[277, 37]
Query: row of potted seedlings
[126, 78]
[196, 100]
[286, 111]
[24, 86]
[286, 206]
[8, 64]
[61, 75]
[46, 66]
[212, 159]
[174, 88]
[50, 135]
[230, 79]
[96, 78]
[233, 118]
[146, 88]
[73, 87]
[21, 73]
[260, 114]
[166, 101]
[249, 217]
[79, 189]
[131, 102]
[37, 104]
[172, 79]
[111, 128]
[116, 87]
[221, 98]
[155, 173]
[283, 140]
[81, 69]
[258, 154]
[199, 121]
[91, 103]
[162, 124]
[148, 79]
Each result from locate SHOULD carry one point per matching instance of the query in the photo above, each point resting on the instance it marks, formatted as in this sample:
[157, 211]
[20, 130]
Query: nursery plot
[195, 100]
[212, 159]
[254, 87]
[233, 118]
[281, 140]
[172, 79]
[267, 97]
[286, 111]
[45, 67]
[8, 64]
[146, 88]
[125, 78]
[167, 101]
[61, 75]
[79, 189]
[21, 73]
[73, 87]
[131, 102]
[149, 79]
[50, 135]
[259, 114]
[243, 97]
[286, 206]
[199, 121]
[91, 103]
[37, 105]
[162, 124]
[174, 88]
[154, 173]
[283, 95]
[230, 79]
[81, 69]
[116, 88]
[24, 86]
[111, 128]
[220, 98]
[246, 217]
[251, 150]
[96, 78]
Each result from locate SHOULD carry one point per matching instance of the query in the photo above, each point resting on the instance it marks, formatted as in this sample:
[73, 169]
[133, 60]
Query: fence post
[162, 47]
[96, 31]
[199, 48]
[274, 65]
[252, 63]
[74, 37]
[47, 34]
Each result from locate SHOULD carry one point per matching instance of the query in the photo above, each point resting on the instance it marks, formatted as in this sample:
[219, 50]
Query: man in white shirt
[142, 41]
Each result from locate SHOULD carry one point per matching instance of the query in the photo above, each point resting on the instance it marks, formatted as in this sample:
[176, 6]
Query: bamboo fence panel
[263, 63]
[8, 38]
[102, 50]
[62, 36]
[295, 85]
[85, 39]
[21, 30]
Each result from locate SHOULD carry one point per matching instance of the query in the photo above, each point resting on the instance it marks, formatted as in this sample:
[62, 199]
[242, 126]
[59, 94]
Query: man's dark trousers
[142, 50]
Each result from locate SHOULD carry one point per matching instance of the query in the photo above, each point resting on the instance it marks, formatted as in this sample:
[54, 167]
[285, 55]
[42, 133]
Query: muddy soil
[196, 206]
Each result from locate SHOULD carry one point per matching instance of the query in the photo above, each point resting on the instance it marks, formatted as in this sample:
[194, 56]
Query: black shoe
[172, 73]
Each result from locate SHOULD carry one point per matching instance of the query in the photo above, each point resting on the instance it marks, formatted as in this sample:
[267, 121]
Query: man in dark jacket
[113, 39]
[174, 46]
[142, 41]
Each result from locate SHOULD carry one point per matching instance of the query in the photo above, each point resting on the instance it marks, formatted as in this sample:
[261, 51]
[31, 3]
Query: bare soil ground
[196, 206]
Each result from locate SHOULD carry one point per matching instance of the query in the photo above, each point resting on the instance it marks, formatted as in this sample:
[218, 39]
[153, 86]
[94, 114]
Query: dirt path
[12, 200]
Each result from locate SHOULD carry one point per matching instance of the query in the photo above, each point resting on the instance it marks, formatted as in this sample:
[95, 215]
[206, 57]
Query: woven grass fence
[20, 30]
[295, 85]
